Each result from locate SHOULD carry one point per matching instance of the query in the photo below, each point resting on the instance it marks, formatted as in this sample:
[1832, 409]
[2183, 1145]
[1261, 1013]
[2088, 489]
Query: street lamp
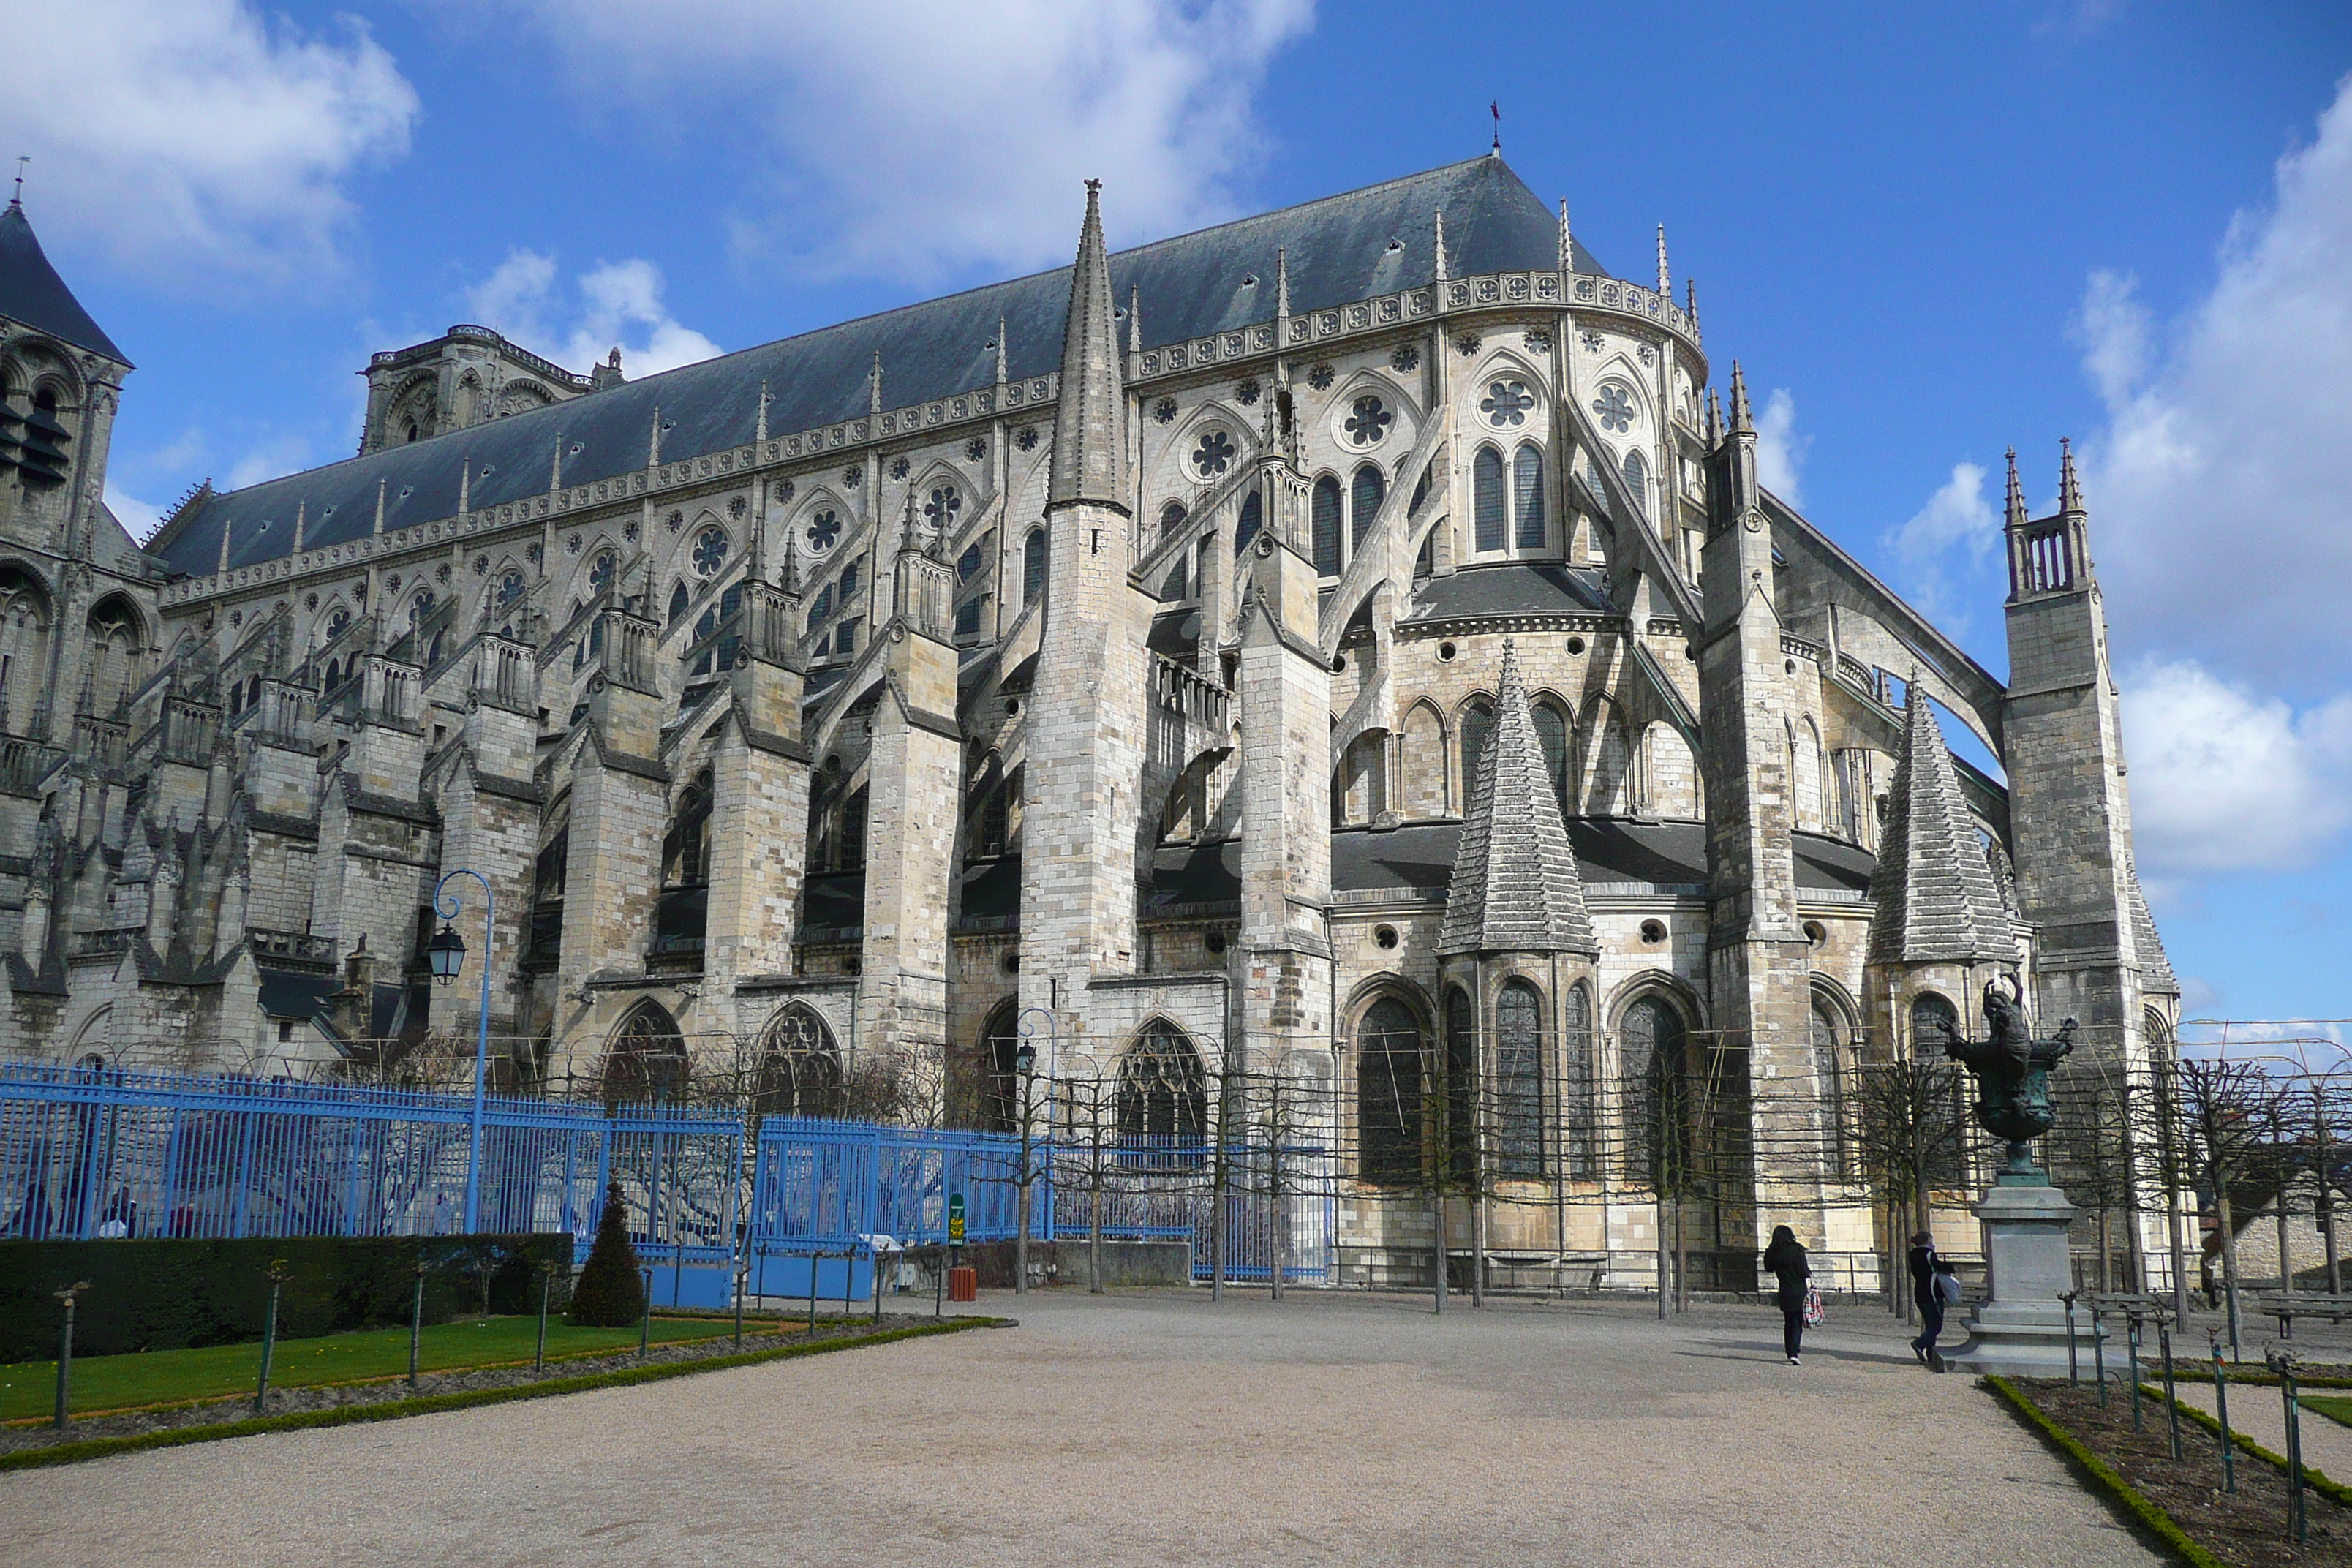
[447, 952]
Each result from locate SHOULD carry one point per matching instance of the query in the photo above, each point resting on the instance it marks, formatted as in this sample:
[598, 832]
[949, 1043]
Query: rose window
[1506, 403]
[510, 589]
[338, 623]
[709, 551]
[823, 530]
[1213, 456]
[1616, 409]
[422, 608]
[599, 573]
[942, 506]
[1368, 422]
[1320, 377]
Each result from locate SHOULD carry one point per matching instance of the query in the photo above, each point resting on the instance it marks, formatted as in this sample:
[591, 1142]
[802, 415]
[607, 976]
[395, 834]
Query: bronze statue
[2013, 1075]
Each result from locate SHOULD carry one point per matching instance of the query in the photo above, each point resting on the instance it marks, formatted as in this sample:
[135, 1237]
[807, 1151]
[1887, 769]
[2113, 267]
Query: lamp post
[1024, 1062]
[448, 953]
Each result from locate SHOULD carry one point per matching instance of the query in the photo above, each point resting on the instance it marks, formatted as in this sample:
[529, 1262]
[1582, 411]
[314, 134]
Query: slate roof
[1513, 590]
[1351, 246]
[1420, 857]
[1514, 887]
[1933, 890]
[32, 292]
[1089, 460]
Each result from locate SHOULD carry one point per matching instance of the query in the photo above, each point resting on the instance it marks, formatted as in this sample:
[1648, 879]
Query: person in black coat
[1784, 1259]
[1922, 1262]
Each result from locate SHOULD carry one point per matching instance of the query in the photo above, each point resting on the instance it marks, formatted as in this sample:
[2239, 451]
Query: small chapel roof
[1933, 889]
[32, 294]
[1354, 246]
[1514, 887]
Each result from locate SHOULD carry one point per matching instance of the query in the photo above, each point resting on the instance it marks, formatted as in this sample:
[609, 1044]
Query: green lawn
[162, 1377]
[2334, 1408]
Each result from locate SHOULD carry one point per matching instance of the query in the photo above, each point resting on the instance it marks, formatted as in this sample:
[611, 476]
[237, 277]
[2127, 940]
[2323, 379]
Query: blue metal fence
[95, 1153]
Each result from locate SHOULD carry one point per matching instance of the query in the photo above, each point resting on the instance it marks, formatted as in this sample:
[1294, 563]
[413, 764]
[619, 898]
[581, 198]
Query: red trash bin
[964, 1284]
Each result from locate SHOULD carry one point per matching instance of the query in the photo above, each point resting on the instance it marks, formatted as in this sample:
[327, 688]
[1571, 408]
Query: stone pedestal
[2021, 1330]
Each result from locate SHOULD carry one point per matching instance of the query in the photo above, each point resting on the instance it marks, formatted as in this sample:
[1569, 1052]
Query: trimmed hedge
[610, 1293]
[172, 1293]
[352, 1414]
[2150, 1516]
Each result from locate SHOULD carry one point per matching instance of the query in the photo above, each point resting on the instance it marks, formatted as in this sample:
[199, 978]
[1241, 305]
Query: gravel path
[2260, 1412]
[1153, 1428]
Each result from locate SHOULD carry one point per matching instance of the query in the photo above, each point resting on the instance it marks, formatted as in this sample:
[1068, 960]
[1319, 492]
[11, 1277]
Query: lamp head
[1024, 1056]
[446, 951]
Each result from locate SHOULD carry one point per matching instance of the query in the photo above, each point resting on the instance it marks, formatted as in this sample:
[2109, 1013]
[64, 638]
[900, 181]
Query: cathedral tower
[1086, 736]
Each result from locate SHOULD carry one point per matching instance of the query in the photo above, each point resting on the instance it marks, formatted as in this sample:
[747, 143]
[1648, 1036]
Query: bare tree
[1909, 1137]
[2224, 1107]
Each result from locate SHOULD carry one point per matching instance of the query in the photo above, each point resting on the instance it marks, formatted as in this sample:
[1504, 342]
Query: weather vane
[1495, 109]
[22, 159]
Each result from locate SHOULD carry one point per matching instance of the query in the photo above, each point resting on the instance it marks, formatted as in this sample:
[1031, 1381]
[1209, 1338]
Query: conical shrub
[609, 1292]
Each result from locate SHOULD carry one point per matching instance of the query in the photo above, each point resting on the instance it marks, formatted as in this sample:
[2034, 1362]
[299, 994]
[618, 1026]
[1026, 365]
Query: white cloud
[140, 517]
[1957, 517]
[2219, 517]
[1780, 450]
[193, 137]
[916, 139]
[2224, 779]
[273, 458]
[619, 306]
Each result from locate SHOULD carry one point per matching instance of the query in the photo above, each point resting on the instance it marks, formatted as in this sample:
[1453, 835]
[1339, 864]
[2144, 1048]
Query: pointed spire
[379, 509]
[1089, 416]
[653, 442]
[1740, 422]
[1567, 241]
[760, 432]
[1440, 245]
[1135, 319]
[2070, 489]
[224, 549]
[1932, 889]
[465, 485]
[2013, 510]
[1282, 282]
[1690, 301]
[874, 392]
[1000, 351]
[790, 581]
[1666, 277]
[301, 518]
[1516, 888]
[555, 465]
[1714, 417]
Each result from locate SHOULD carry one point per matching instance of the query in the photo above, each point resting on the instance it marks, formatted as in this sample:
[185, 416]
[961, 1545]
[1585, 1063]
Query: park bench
[2286, 1306]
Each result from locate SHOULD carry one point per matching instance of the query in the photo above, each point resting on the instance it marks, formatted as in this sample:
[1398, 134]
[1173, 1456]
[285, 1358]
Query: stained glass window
[1032, 565]
[1614, 408]
[1486, 500]
[1527, 496]
[1214, 454]
[1505, 403]
[1518, 1080]
[1637, 480]
[599, 573]
[710, 550]
[1389, 1047]
[824, 529]
[1324, 525]
[1368, 422]
[1364, 497]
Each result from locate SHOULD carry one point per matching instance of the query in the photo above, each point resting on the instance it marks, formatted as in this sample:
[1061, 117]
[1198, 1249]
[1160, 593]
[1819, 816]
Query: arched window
[1032, 565]
[114, 652]
[1478, 730]
[1551, 735]
[1519, 1082]
[645, 1061]
[1324, 525]
[1930, 1012]
[852, 842]
[677, 603]
[1637, 480]
[800, 1067]
[1829, 1076]
[1000, 1088]
[1172, 518]
[1578, 1079]
[1163, 1093]
[1388, 1051]
[1653, 1045]
[1251, 520]
[1486, 500]
[1364, 498]
[24, 647]
[686, 847]
[1527, 496]
[970, 561]
[1460, 1137]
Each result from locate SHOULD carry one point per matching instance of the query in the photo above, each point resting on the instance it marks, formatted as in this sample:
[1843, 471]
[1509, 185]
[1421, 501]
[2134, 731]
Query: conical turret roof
[1516, 886]
[1089, 443]
[1933, 890]
[33, 294]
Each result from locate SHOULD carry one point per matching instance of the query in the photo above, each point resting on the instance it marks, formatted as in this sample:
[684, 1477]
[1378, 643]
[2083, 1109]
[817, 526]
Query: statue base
[2020, 1332]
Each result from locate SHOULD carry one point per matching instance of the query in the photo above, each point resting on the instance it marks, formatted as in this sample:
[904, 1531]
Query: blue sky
[1929, 233]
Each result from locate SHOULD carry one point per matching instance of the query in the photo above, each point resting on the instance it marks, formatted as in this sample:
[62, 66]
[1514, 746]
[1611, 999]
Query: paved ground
[1153, 1428]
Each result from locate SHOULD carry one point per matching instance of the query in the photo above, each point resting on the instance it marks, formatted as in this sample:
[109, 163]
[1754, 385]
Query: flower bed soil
[2245, 1529]
[758, 1336]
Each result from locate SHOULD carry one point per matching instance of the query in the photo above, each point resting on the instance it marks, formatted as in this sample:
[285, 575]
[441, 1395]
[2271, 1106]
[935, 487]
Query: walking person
[1922, 1263]
[1784, 1259]
[1948, 1296]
